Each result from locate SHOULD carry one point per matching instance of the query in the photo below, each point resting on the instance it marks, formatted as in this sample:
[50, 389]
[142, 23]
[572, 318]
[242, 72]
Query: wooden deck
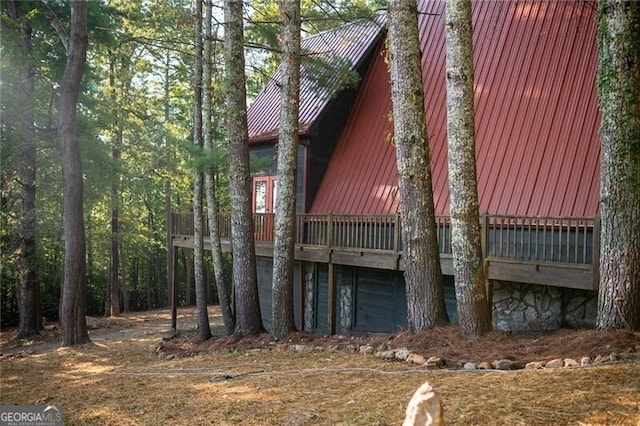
[557, 251]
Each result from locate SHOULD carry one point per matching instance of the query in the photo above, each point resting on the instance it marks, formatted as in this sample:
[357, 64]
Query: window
[265, 190]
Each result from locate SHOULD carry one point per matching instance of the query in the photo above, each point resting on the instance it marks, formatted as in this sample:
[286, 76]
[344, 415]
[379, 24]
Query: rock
[600, 359]
[424, 408]
[570, 362]
[530, 299]
[434, 362]
[503, 364]
[416, 359]
[386, 355]
[351, 347]
[470, 366]
[585, 361]
[484, 365]
[555, 363]
[297, 348]
[534, 365]
[402, 354]
[530, 314]
[366, 349]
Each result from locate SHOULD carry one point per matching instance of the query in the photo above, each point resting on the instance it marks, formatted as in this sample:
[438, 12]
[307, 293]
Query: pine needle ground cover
[120, 379]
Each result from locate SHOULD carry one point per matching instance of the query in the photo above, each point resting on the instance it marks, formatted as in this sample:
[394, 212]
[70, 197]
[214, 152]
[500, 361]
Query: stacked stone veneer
[308, 301]
[530, 307]
[346, 305]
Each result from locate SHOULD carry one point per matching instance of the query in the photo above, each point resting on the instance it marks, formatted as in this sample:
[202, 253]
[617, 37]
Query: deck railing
[537, 239]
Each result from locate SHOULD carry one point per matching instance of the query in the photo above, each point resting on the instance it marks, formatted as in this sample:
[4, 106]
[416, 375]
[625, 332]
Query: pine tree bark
[474, 311]
[74, 286]
[619, 93]
[282, 319]
[423, 275]
[223, 290]
[204, 330]
[26, 277]
[248, 319]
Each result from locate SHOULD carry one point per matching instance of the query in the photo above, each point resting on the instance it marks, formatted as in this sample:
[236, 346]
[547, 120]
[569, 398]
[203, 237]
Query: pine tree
[474, 311]
[619, 92]
[423, 274]
[285, 217]
[248, 318]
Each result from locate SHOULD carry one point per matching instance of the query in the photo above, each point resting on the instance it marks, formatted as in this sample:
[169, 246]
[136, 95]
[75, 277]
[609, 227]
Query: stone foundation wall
[309, 291]
[346, 305]
[531, 307]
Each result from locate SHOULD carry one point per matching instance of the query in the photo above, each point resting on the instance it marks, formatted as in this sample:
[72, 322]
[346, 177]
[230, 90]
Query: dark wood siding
[380, 304]
[264, 266]
[321, 295]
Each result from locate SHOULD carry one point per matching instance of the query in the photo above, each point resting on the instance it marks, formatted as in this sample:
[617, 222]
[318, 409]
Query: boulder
[366, 349]
[402, 354]
[470, 366]
[484, 365]
[434, 363]
[570, 362]
[424, 409]
[503, 364]
[555, 363]
[585, 361]
[534, 365]
[386, 355]
[416, 359]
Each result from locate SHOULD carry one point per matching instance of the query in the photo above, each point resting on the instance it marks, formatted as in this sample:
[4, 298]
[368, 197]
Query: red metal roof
[351, 42]
[537, 119]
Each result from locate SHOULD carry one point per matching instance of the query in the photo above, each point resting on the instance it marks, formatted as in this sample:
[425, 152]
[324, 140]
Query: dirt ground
[129, 375]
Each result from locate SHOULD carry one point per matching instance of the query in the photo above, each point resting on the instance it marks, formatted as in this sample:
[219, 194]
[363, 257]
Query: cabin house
[537, 149]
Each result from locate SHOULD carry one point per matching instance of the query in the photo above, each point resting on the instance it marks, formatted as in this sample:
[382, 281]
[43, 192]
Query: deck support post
[595, 262]
[484, 238]
[173, 290]
[332, 303]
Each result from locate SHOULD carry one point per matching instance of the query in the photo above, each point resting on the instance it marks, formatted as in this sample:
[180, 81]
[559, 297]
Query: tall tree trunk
[204, 331]
[282, 319]
[619, 92]
[147, 283]
[26, 275]
[423, 275]
[167, 179]
[474, 311]
[223, 290]
[248, 319]
[73, 320]
[116, 143]
[123, 275]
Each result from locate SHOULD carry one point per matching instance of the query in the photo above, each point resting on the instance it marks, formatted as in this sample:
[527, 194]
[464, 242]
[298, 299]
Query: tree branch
[55, 23]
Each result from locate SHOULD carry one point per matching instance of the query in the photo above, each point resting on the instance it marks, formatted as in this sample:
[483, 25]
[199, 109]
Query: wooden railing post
[595, 261]
[484, 234]
[396, 233]
[484, 241]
